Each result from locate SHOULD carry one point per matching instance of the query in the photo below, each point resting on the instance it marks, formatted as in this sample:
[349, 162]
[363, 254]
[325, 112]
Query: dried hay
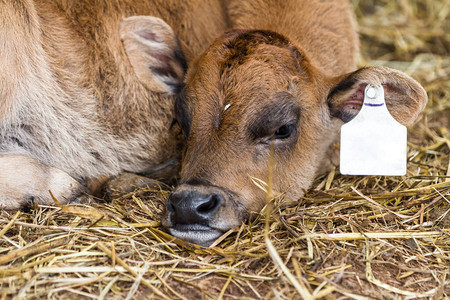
[349, 237]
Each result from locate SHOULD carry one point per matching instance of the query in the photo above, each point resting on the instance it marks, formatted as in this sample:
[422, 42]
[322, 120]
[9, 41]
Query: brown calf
[86, 89]
[285, 79]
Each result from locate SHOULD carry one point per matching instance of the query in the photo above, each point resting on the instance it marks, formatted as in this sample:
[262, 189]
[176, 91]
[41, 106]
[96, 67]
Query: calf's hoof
[128, 182]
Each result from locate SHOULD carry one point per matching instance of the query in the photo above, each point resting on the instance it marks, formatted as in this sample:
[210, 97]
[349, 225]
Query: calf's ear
[405, 97]
[154, 52]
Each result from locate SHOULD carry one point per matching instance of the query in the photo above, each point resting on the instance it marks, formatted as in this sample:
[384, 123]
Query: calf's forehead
[240, 47]
[237, 99]
[251, 83]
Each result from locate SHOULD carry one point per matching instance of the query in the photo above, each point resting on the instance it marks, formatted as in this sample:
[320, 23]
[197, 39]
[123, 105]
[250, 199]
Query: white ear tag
[373, 143]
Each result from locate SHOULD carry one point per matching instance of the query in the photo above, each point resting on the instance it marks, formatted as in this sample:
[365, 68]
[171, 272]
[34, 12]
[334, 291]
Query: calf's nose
[192, 207]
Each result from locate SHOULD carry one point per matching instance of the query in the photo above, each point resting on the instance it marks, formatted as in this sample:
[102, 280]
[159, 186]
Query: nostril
[209, 205]
[170, 206]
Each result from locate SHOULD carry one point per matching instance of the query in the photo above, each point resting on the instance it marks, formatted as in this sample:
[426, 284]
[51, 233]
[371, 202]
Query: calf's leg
[24, 181]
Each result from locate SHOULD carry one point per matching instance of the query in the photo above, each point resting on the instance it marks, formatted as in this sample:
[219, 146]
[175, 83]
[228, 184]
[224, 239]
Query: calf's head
[252, 91]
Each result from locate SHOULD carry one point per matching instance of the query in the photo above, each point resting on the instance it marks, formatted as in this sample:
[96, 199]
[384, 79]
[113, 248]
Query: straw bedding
[348, 237]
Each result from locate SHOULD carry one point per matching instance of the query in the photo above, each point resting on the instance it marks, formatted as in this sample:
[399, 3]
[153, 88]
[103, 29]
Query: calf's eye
[284, 132]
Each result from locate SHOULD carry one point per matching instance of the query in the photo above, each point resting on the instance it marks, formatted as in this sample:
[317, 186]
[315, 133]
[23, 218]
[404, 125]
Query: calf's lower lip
[197, 234]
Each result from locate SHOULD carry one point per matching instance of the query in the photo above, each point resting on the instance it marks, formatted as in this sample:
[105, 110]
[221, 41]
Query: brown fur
[72, 96]
[287, 68]
[88, 85]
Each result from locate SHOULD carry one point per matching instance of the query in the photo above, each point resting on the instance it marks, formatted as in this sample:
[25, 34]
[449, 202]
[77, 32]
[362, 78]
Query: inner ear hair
[350, 89]
[154, 53]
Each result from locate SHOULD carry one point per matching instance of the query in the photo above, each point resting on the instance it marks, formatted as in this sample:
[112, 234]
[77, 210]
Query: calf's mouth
[201, 213]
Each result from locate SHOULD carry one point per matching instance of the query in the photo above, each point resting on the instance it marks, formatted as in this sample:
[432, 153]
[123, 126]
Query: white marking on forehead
[226, 107]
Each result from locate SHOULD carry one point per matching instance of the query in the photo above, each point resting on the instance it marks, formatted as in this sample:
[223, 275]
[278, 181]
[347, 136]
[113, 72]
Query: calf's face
[250, 92]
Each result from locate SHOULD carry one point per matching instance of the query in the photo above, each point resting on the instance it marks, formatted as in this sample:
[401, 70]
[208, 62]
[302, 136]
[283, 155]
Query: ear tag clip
[373, 143]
